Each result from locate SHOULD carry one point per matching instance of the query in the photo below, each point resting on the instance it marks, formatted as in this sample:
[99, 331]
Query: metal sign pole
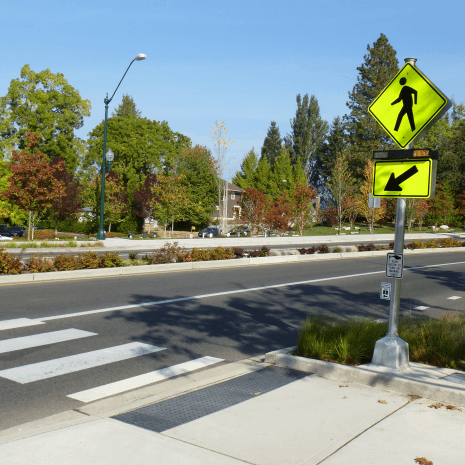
[391, 351]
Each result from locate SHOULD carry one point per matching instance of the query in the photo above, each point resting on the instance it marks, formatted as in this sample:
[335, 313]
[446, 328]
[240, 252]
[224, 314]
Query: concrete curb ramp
[419, 380]
[184, 266]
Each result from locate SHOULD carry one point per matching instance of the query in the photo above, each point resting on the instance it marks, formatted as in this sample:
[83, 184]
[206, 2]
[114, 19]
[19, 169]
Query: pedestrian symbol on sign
[407, 104]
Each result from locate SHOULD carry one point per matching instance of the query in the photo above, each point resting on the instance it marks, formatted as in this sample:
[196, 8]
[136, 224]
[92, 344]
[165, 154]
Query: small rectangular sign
[385, 291]
[394, 265]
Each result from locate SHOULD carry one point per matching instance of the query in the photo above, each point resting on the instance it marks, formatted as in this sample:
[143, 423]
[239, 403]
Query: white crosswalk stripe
[143, 380]
[19, 323]
[61, 366]
[37, 340]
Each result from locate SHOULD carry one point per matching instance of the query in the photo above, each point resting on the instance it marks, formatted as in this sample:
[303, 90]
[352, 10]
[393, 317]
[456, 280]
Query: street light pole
[101, 231]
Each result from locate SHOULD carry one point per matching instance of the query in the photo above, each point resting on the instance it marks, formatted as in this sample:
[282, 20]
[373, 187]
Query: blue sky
[239, 61]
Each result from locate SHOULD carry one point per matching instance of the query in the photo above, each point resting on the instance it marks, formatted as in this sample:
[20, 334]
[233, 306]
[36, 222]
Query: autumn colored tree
[371, 214]
[253, 206]
[351, 210]
[441, 206]
[300, 203]
[277, 215]
[71, 202]
[33, 185]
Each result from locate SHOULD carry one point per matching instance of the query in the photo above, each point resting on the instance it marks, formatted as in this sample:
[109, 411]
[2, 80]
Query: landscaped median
[170, 257]
[342, 350]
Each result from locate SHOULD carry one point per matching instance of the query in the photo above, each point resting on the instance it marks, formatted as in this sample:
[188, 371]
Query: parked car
[5, 230]
[17, 231]
[209, 232]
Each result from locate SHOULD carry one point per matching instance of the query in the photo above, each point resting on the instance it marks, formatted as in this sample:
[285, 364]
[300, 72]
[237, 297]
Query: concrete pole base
[391, 352]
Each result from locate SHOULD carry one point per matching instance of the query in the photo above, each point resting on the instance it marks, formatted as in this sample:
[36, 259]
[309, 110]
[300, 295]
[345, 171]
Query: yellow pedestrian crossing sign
[409, 105]
[404, 178]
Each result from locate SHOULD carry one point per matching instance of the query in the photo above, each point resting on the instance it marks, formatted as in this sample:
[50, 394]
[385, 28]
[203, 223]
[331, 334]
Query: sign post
[406, 112]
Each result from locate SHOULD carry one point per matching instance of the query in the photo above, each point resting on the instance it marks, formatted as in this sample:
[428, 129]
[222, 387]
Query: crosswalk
[84, 360]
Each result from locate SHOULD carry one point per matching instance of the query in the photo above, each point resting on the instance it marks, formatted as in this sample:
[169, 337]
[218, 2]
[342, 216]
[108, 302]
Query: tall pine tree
[272, 144]
[308, 132]
[365, 134]
[245, 177]
[127, 108]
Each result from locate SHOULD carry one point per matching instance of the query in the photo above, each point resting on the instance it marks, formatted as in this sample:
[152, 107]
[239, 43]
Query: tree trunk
[56, 227]
[29, 227]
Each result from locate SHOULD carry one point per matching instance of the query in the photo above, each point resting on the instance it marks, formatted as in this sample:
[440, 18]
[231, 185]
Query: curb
[132, 400]
[185, 266]
[420, 380]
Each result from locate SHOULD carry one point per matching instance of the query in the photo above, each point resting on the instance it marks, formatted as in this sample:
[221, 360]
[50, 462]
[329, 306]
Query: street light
[109, 155]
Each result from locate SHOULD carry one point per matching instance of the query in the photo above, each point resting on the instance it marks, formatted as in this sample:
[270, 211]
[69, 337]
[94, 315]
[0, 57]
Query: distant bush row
[169, 253]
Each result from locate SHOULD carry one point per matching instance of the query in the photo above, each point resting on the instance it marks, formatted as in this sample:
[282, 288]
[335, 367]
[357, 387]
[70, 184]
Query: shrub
[199, 255]
[89, 260]
[9, 264]
[450, 242]
[133, 256]
[366, 247]
[39, 264]
[110, 260]
[66, 263]
[310, 250]
[44, 234]
[220, 253]
[337, 250]
[238, 252]
[323, 248]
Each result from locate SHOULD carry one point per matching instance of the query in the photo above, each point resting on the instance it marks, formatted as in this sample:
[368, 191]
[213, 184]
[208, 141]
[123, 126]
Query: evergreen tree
[365, 134]
[272, 144]
[308, 132]
[245, 177]
[263, 179]
[332, 149]
[127, 108]
[283, 173]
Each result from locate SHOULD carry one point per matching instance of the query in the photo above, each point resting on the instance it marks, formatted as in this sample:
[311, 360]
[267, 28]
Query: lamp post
[109, 155]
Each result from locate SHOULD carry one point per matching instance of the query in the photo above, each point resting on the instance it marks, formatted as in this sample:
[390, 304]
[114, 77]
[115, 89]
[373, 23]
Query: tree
[308, 132]
[278, 215]
[350, 210]
[116, 199]
[245, 177]
[200, 182]
[221, 147]
[340, 185]
[371, 214]
[43, 103]
[272, 144]
[171, 201]
[333, 148]
[441, 206]
[127, 108]
[263, 179]
[416, 210]
[364, 133]
[33, 186]
[141, 146]
[253, 206]
[71, 202]
[300, 204]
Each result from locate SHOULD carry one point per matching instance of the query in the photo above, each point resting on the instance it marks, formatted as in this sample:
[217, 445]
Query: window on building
[233, 195]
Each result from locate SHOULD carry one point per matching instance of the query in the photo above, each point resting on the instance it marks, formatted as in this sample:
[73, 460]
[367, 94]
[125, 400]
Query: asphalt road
[254, 310]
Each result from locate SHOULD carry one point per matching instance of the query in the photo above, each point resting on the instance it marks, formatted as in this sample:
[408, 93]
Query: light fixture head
[141, 56]
[110, 155]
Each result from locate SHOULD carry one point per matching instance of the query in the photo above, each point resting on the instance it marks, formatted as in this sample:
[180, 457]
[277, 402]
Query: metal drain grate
[188, 407]
[455, 378]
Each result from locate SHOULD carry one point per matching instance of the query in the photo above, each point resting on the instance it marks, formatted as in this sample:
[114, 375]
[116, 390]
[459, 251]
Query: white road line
[64, 365]
[454, 297]
[36, 340]
[421, 307]
[236, 291]
[18, 323]
[142, 380]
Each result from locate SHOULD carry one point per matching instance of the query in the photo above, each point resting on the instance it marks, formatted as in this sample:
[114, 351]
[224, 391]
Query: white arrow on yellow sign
[404, 178]
[409, 105]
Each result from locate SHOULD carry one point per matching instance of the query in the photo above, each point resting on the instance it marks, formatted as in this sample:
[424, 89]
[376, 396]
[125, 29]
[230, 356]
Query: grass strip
[434, 341]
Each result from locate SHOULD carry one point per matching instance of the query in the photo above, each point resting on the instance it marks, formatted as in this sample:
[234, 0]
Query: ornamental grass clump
[439, 342]
[349, 342]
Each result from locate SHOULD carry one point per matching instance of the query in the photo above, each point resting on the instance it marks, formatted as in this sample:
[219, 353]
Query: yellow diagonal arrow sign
[404, 178]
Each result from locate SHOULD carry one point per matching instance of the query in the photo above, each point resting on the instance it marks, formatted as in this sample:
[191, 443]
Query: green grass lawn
[320, 230]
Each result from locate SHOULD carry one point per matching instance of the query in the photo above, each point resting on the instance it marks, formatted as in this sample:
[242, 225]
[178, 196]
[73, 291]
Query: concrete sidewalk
[310, 419]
